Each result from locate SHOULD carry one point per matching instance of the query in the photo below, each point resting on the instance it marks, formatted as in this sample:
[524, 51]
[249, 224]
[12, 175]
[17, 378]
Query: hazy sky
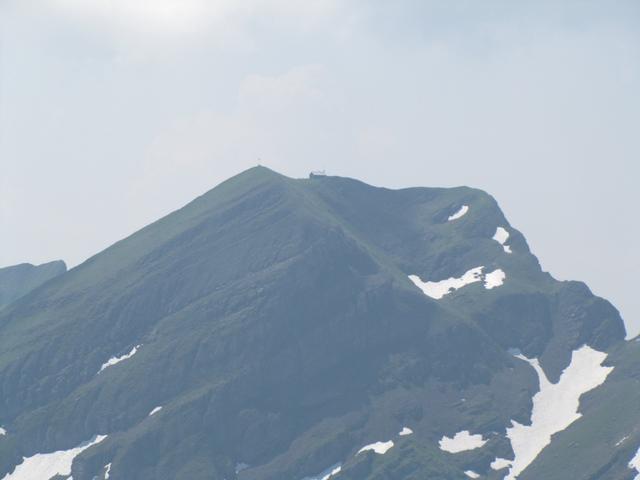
[113, 113]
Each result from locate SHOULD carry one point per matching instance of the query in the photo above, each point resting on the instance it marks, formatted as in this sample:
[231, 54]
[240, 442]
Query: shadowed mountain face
[19, 280]
[270, 330]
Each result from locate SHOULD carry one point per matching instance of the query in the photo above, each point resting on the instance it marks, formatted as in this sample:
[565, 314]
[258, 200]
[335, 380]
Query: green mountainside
[18, 280]
[269, 330]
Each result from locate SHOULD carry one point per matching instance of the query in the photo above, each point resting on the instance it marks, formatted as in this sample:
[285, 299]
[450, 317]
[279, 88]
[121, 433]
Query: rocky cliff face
[289, 329]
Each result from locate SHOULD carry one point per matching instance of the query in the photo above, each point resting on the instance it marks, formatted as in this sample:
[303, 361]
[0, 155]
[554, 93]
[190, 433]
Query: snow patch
[555, 406]
[405, 431]
[107, 471]
[240, 466]
[379, 447]
[113, 360]
[47, 465]
[501, 236]
[333, 472]
[635, 464]
[154, 411]
[500, 463]
[2, 432]
[461, 442]
[327, 474]
[494, 279]
[460, 213]
[439, 289]
[471, 474]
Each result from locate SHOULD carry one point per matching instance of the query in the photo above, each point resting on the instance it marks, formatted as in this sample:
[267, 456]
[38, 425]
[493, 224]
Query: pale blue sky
[113, 113]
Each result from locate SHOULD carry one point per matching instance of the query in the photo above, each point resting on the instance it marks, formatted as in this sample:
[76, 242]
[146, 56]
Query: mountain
[292, 329]
[19, 280]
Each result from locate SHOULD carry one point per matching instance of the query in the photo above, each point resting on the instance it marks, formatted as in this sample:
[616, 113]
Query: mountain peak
[278, 328]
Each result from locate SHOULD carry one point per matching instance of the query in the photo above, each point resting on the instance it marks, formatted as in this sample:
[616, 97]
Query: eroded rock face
[275, 323]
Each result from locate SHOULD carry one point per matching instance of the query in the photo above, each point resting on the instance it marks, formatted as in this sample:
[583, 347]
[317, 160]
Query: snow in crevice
[107, 470]
[501, 236]
[635, 464]
[439, 289]
[621, 441]
[555, 406]
[47, 465]
[154, 411]
[405, 431]
[379, 447]
[471, 474]
[114, 360]
[326, 474]
[460, 213]
[461, 442]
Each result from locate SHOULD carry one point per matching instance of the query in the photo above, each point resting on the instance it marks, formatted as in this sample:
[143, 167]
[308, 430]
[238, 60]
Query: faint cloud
[275, 118]
[272, 94]
[142, 28]
[157, 16]
[376, 142]
[8, 204]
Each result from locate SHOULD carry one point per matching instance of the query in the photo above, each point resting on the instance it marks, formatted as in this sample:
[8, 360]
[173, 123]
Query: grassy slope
[18, 280]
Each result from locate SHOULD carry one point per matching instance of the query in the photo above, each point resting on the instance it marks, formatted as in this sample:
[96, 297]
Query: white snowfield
[460, 213]
[405, 431]
[155, 410]
[379, 447]
[114, 360]
[461, 442]
[494, 279]
[439, 289]
[501, 236]
[46, 465]
[2, 431]
[555, 406]
[471, 474]
[635, 464]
